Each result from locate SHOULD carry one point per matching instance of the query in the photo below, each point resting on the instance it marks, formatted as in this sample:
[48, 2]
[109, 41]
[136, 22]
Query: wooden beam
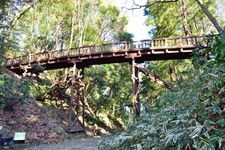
[154, 78]
[76, 108]
[72, 96]
[135, 89]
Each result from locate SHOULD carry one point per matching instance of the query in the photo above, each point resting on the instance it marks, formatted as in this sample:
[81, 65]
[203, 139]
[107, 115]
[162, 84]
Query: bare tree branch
[149, 3]
[19, 15]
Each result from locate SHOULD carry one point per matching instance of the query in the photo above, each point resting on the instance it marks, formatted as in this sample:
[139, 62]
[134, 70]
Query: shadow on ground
[75, 142]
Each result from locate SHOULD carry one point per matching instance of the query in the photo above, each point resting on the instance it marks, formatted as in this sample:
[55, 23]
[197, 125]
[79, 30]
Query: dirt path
[77, 142]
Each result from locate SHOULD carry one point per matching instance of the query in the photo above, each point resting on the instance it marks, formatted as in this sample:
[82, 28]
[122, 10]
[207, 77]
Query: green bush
[190, 117]
[12, 91]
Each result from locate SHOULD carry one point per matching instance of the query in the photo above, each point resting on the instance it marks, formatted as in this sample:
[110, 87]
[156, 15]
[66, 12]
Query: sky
[136, 24]
[221, 8]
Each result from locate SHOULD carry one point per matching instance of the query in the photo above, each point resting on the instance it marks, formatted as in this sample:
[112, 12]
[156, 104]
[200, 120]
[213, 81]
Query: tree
[190, 117]
[210, 16]
[171, 19]
[109, 90]
[184, 6]
[47, 26]
[124, 36]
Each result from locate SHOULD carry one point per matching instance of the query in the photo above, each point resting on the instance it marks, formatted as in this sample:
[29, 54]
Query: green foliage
[181, 18]
[48, 26]
[170, 71]
[39, 89]
[190, 117]
[124, 36]
[12, 91]
[1, 52]
[2, 35]
[109, 90]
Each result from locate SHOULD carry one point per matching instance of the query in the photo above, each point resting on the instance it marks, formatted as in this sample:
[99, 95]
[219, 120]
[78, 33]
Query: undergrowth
[190, 117]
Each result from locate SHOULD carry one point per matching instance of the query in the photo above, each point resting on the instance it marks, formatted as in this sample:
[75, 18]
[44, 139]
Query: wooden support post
[70, 105]
[25, 72]
[76, 105]
[166, 43]
[30, 58]
[181, 42]
[135, 89]
[72, 97]
[82, 96]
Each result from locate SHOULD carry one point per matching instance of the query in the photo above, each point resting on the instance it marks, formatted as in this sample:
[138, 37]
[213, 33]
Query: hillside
[22, 113]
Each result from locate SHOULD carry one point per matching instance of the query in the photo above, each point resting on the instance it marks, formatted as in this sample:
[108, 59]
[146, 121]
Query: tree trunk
[72, 30]
[210, 16]
[184, 15]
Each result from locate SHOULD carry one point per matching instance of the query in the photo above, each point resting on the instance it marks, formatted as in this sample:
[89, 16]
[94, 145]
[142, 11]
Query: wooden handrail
[108, 47]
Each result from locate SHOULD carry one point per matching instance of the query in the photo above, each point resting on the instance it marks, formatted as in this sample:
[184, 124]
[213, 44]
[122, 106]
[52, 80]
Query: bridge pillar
[135, 90]
[76, 105]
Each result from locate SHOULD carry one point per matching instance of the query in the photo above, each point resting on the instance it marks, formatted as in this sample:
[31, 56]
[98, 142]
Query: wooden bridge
[145, 50]
[81, 57]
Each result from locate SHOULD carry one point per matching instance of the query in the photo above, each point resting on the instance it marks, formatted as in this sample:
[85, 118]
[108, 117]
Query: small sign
[20, 136]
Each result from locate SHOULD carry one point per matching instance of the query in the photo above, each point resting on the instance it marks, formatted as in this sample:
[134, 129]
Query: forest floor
[43, 131]
[75, 142]
[44, 126]
[39, 123]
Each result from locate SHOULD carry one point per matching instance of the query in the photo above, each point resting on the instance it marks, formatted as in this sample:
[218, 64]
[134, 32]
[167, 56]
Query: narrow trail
[76, 142]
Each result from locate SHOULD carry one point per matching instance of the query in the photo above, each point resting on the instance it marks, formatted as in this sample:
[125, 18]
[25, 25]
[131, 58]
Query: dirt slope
[37, 121]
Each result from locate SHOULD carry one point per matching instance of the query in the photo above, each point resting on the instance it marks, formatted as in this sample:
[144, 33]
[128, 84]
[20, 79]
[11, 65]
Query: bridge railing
[159, 43]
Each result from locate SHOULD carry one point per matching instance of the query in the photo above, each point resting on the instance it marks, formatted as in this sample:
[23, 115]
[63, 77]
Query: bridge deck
[145, 50]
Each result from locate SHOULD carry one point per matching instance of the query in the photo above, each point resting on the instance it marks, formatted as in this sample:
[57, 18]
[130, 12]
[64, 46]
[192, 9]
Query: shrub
[12, 91]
